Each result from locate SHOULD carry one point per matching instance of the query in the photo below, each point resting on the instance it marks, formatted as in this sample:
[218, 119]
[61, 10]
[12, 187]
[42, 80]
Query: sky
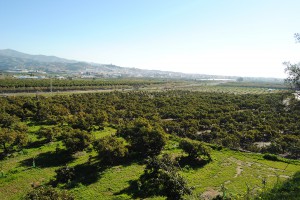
[219, 37]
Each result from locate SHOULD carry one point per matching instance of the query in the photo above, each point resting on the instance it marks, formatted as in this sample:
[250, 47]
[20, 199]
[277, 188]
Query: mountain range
[11, 60]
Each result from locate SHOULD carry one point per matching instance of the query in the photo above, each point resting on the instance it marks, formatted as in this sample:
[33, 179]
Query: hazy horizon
[249, 38]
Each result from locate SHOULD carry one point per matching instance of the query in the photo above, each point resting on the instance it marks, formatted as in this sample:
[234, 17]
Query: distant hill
[38, 58]
[13, 60]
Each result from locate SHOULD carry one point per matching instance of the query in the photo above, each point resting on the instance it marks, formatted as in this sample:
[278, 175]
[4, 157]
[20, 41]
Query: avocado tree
[76, 140]
[10, 138]
[110, 149]
[196, 150]
[144, 139]
[161, 177]
[49, 133]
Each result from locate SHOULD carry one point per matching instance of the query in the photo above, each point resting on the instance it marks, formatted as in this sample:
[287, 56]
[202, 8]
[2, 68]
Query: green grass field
[233, 171]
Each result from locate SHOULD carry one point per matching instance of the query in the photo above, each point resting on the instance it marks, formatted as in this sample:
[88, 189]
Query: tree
[7, 120]
[83, 121]
[196, 150]
[7, 139]
[10, 138]
[110, 149]
[161, 177]
[64, 174]
[49, 133]
[76, 140]
[293, 70]
[144, 138]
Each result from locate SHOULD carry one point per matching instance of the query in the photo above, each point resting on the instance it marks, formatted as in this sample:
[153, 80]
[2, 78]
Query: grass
[234, 170]
[107, 131]
[237, 171]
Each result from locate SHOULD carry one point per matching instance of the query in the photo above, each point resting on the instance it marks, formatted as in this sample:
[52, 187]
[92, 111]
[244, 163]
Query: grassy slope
[233, 169]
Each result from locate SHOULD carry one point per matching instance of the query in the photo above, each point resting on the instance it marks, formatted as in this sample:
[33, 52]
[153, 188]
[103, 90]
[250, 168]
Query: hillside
[11, 60]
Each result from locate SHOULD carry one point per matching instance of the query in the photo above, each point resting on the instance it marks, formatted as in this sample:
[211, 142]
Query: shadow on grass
[36, 144]
[84, 174]
[193, 163]
[90, 172]
[49, 159]
[132, 190]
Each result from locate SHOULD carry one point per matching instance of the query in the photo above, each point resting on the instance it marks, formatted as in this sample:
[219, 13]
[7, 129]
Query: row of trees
[235, 121]
[23, 85]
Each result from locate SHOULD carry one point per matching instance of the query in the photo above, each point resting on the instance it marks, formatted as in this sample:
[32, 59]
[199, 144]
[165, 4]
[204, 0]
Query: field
[236, 171]
[207, 113]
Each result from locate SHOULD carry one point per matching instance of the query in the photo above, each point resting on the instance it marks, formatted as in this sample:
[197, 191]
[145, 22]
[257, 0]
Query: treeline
[246, 84]
[234, 121]
[33, 85]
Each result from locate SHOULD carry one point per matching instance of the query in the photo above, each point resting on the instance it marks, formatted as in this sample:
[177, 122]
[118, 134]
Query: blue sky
[226, 37]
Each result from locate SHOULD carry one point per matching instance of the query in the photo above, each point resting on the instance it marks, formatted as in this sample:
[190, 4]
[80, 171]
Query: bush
[48, 193]
[161, 177]
[144, 138]
[65, 174]
[110, 149]
[289, 189]
[270, 157]
[195, 149]
[76, 140]
[49, 133]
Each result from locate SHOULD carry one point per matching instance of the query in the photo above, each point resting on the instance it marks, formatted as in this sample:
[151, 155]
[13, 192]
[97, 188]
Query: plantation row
[234, 121]
[280, 86]
[23, 85]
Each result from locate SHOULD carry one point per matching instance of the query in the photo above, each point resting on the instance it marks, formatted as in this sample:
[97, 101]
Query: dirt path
[239, 169]
[209, 194]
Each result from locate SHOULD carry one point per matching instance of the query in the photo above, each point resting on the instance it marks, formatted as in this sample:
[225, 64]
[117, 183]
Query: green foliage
[10, 138]
[50, 133]
[64, 174]
[76, 140]
[144, 138]
[83, 121]
[232, 120]
[195, 149]
[270, 157]
[161, 177]
[17, 85]
[7, 120]
[289, 189]
[48, 193]
[110, 149]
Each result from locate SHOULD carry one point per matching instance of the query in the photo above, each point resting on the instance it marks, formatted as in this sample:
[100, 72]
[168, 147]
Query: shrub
[48, 193]
[195, 149]
[65, 174]
[270, 157]
[76, 140]
[110, 149]
[144, 138]
[161, 177]
[49, 133]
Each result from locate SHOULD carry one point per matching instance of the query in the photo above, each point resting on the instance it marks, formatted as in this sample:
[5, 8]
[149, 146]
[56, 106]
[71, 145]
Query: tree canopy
[293, 70]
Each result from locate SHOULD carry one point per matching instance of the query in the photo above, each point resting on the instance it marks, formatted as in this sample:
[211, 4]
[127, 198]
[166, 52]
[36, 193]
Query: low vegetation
[173, 144]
